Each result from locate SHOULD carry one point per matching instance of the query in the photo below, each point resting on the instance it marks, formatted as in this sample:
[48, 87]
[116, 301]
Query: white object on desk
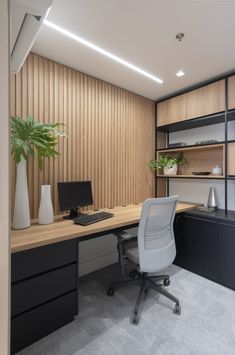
[21, 218]
[45, 213]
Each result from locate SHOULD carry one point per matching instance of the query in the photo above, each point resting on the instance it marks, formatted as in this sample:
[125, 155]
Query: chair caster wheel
[135, 318]
[110, 291]
[177, 309]
[166, 282]
[132, 274]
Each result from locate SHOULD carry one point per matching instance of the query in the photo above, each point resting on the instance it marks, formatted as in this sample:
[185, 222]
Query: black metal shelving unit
[220, 117]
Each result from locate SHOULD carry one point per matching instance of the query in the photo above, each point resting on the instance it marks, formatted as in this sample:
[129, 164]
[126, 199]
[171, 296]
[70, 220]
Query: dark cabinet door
[180, 252]
[227, 254]
[197, 245]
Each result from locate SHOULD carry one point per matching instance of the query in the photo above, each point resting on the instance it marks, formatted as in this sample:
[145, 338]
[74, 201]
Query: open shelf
[191, 176]
[198, 122]
[178, 114]
[194, 146]
[199, 158]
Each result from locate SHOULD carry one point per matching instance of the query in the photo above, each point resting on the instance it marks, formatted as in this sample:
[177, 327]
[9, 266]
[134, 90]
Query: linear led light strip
[102, 51]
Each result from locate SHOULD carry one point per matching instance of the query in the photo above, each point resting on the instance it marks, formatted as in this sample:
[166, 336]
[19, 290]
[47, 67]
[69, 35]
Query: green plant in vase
[30, 138]
[168, 163]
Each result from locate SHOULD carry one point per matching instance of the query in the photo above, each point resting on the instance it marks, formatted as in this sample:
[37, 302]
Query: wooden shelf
[199, 158]
[191, 176]
[192, 146]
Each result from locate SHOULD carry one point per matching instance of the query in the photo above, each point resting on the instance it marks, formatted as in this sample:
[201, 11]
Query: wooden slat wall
[110, 133]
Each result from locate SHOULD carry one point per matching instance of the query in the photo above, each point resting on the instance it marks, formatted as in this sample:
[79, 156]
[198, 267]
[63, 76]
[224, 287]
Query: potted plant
[29, 137]
[169, 163]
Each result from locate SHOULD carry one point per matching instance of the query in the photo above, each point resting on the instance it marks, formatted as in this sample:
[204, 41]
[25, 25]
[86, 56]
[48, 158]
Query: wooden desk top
[39, 235]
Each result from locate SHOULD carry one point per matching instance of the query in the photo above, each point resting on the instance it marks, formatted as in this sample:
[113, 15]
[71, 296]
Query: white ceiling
[143, 33]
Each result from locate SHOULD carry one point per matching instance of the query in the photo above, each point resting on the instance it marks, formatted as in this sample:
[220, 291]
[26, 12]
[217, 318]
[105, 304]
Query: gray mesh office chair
[153, 251]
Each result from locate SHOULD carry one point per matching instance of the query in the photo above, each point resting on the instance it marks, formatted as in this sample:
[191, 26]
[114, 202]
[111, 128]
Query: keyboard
[85, 220]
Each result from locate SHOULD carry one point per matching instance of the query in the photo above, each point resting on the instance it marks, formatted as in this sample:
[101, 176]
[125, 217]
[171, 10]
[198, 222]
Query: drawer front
[39, 322]
[35, 261]
[40, 289]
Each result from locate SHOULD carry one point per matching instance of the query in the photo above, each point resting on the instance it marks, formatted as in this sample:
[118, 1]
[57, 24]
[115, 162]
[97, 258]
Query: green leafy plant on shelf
[29, 137]
[168, 161]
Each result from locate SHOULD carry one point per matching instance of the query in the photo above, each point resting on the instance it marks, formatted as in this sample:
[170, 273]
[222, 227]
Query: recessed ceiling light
[102, 51]
[180, 73]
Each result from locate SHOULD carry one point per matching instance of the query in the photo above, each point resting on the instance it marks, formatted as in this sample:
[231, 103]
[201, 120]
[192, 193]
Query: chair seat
[131, 251]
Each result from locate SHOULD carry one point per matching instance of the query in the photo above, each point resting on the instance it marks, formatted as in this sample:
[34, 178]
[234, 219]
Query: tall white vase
[45, 213]
[21, 217]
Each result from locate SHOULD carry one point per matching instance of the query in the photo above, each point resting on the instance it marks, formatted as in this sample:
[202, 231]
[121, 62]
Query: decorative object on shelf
[170, 170]
[207, 141]
[29, 137]
[45, 212]
[212, 203]
[176, 145]
[201, 172]
[217, 170]
[169, 163]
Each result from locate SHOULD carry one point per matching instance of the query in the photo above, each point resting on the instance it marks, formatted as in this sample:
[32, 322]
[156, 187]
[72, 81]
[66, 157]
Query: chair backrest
[156, 242]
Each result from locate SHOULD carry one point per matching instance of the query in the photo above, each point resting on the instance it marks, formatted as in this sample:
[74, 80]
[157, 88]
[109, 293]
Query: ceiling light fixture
[102, 51]
[180, 73]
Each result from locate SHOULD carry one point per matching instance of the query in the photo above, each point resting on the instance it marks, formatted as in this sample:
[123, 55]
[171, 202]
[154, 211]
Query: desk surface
[39, 235]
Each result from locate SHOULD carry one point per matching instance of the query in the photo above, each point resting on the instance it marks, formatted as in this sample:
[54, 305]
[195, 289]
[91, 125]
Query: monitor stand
[74, 213]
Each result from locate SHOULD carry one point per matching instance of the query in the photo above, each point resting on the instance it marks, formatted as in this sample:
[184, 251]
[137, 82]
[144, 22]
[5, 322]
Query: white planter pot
[45, 213]
[170, 171]
[21, 217]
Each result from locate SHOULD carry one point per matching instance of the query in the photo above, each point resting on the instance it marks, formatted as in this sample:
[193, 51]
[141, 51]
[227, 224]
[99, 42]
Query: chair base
[146, 282]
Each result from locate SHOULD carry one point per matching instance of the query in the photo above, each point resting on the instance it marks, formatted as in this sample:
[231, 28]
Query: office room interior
[117, 183]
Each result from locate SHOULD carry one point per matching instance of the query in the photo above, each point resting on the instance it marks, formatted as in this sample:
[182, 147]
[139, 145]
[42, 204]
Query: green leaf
[167, 161]
[29, 137]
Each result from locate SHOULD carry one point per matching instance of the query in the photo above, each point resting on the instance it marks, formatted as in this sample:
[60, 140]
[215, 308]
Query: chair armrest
[123, 236]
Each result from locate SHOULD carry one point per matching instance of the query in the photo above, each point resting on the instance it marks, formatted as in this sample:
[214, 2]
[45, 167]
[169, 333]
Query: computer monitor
[73, 195]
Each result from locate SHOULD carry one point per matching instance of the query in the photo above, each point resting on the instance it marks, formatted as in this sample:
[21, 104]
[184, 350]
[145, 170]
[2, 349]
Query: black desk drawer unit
[44, 291]
[41, 321]
[36, 261]
[205, 244]
[37, 290]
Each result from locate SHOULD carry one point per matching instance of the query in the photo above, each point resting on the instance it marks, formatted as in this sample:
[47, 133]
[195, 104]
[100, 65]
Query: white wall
[197, 190]
[4, 181]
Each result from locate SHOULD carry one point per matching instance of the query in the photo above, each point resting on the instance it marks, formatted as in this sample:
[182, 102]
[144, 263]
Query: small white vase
[170, 171]
[217, 170]
[21, 217]
[45, 213]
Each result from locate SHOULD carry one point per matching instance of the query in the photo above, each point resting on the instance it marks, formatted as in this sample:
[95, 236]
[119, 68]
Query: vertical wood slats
[110, 133]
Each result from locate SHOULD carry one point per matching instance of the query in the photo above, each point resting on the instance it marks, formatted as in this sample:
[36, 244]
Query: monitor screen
[74, 194]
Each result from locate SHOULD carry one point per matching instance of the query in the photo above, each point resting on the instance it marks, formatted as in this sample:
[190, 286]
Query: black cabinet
[205, 244]
[197, 245]
[226, 261]
[44, 291]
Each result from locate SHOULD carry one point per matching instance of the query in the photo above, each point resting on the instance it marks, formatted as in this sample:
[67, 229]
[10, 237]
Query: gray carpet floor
[206, 325]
